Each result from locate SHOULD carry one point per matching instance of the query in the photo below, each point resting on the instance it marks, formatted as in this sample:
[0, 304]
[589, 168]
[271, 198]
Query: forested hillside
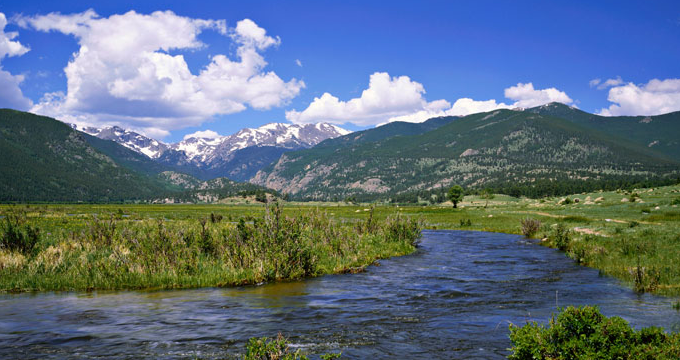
[503, 149]
[46, 160]
[659, 132]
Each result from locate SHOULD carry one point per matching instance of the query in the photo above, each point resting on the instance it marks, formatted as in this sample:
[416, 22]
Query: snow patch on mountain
[130, 139]
[206, 151]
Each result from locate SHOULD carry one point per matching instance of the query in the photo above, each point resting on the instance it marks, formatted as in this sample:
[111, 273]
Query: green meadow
[631, 235]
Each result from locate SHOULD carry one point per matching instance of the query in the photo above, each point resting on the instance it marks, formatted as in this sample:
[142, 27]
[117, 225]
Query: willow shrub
[584, 333]
[152, 253]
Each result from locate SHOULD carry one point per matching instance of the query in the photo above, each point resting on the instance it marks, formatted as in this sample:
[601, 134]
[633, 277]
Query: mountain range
[547, 150]
[550, 149]
[238, 156]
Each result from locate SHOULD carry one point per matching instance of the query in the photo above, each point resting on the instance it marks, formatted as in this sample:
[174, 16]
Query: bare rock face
[274, 180]
[469, 152]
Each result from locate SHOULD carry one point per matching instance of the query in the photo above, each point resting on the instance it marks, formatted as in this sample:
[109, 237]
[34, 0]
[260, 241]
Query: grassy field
[151, 247]
[634, 236]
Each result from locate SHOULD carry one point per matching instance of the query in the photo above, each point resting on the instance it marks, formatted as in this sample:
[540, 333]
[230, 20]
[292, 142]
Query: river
[453, 298]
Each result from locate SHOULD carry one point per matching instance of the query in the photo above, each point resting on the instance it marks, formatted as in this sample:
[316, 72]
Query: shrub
[530, 227]
[16, 234]
[633, 197]
[579, 252]
[277, 349]
[584, 333]
[215, 218]
[562, 237]
[261, 196]
[465, 222]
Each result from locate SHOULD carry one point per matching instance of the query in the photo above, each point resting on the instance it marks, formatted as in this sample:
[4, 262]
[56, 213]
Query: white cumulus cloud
[653, 98]
[462, 107]
[390, 99]
[386, 97]
[526, 96]
[10, 93]
[205, 134]
[125, 73]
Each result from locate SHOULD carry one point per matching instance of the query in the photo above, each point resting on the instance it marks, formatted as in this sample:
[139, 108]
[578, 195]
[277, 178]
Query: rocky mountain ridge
[213, 157]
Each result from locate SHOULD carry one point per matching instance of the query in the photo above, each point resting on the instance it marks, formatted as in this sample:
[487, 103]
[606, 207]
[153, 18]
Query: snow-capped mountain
[286, 136]
[206, 157]
[130, 139]
[197, 149]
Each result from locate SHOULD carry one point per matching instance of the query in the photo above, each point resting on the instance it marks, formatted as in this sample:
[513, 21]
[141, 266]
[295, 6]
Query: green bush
[277, 349]
[584, 333]
[16, 234]
[530, 227]
[562, 237]
[274, 349]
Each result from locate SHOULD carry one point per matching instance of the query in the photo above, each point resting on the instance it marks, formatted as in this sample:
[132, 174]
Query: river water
[453, 298]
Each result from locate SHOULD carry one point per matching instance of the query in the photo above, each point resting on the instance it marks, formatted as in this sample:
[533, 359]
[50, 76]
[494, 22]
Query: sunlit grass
[187, 249]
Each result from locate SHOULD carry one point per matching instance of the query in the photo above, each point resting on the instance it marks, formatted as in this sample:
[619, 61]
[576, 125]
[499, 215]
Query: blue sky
[481, 51]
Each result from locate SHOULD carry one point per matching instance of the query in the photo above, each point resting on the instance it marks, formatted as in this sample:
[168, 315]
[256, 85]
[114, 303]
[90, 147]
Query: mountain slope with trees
[46, 160]
[659, 132]
[503, 149]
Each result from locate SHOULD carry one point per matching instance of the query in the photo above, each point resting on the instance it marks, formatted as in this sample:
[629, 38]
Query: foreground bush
[123, 254]
[277, 349]
[584, 333]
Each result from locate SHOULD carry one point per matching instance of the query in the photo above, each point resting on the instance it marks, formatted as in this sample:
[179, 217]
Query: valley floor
[633, 236]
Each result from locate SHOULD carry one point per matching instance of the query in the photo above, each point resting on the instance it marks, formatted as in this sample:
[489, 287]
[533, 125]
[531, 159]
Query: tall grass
[110, 253]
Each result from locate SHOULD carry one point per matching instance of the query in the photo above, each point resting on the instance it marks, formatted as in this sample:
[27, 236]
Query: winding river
[453, 298]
